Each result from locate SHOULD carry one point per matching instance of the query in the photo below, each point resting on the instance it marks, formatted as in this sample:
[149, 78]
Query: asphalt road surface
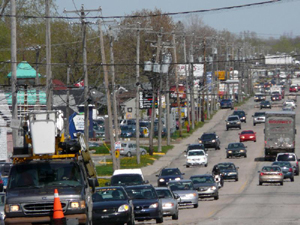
[242, 202]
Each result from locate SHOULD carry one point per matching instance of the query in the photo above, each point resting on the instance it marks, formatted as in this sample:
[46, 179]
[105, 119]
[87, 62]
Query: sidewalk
[179, 148]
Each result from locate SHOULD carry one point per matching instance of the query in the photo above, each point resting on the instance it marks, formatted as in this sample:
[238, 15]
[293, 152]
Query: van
[124, 177]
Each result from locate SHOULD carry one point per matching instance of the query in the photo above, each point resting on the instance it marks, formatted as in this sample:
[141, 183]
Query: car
[292, 96]
[123, 177]
[99, 132]
[169, 202]
[228, 171]
[168, 174]
[259, 117]
[184, 188]
[127, 131]
[265, 104]
[93, 144]
[194, 146]
[293, 88]
[111, 205]
[247, 135]
[4, 171]
[287, 108]
[147, 205]
[241, 114]
[129, 149]
[259, 97]
[210, 140]
[206, 186]
[276, 97]
[290, 157]
[236, 149]
[290, 103]
[233, 121]
[2, 205]
[287, 169]
[270, 174]
[196, 158]
[226, 103]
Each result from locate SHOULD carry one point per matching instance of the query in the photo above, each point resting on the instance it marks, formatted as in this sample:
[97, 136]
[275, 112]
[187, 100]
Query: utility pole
[137, 96]
[48, 57]
[204, 79]
[192, 82]
[177, 81]
[239, 76]
[167, 96]
[187, 80]
[13, 78]
[68, 103]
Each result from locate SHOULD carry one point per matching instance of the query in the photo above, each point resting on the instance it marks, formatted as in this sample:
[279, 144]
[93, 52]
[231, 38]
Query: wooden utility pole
[177, 81]
[13, 78]
[137, 96]
[204, 80]
[116, 163]
[187, 81]
[48, 58]
[191, 61]
[68, 103]
[167, 96]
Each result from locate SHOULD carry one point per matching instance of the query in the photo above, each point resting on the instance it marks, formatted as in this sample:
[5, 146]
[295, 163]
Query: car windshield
[141, 192]
[260, 114]
[208, 136]
[236, 145]
[193, 153]
[166, 193]
[203, 180]
[240, 113]
[247, 132]
[286, 158]
[226, 167]
[271, 169]
[45, 174]
[181, 185]
[191, 147]
[167, 172]
[126, 179]
[265, 102]
[282, 164]
[232, 118]
[226, 101]
[109, 194]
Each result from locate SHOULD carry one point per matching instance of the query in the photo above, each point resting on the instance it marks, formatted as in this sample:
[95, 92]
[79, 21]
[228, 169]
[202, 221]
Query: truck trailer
[280, 131]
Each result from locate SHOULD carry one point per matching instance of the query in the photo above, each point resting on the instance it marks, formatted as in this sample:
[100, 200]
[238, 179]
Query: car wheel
[281, 183]
[187, 166]
[216, 197]
[196, 206]
[236, 179]
[175, 216]
[292, 179]
[260, 183]
[129, 154]
[240, 127]
[131, 222]
[254, 124]
[246, 156]
[205, 165]
[160, 220]
[254, 140]
[143, 153]
[297, 172]
[227, 156]
[226, 128]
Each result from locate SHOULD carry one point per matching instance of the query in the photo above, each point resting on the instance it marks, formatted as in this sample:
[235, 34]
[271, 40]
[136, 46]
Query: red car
[294, 88]
[247, 135]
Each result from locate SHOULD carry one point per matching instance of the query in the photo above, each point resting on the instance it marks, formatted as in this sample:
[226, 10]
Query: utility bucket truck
[49, 162]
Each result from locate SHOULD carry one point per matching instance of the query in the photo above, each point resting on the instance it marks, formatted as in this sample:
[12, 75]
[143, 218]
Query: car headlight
[161, 180]
[153, 206]
[213, 141]
[77, 205]
[123, 208]
[242, 150]
[168, 205]
[251, 136]
[200, 141]
[238, 122]
[213, 188]
[191, 195]
[177, 178]
[228, 123]
[243, 118]
[232, 173]
[13, 208]
[242, 137]
[229, 151]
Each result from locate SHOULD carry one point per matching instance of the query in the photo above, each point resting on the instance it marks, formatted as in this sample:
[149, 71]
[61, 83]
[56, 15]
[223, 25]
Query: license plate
[104, 217]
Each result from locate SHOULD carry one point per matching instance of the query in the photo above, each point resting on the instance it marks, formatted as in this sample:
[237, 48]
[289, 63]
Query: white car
[290, 103]
[196, 158]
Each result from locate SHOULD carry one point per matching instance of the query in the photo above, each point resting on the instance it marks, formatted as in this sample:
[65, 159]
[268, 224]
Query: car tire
[254, 140]
[254, 124]
[205, 165]
[196, 206]
[143, 153]
[292, 179]
[187, 166]
[227, 156]
[281, 183]
[236, 179]
[297, 173]
[129, 154]
[226, 128]
[245, 156]
[260, 183]
[175, 216]
[216, 197]
[240, 127]
[160, 220]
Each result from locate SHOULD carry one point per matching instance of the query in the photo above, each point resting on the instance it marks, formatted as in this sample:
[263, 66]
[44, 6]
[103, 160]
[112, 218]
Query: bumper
[169, 211]
[111, 218]
[271, 179]
[288, 175]
[188, 201]
[233, 126]
[210, 145]
[230, 177]
[236, 154]
[196, 163]
[207, 194]
[82, 218]
[147, 214]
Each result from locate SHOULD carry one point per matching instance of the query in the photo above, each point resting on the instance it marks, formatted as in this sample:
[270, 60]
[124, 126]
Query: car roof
[197, 150]
[162, 188]
[222, 163]
[170, 168]
[139, 186]
[247, 130]
[110, 187]
[195, 144]
[235, 143]
[202, 175]
[182, 180]
[234, 116]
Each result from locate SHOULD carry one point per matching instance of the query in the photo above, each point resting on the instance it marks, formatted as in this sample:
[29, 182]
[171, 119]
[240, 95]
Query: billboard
[182, 69]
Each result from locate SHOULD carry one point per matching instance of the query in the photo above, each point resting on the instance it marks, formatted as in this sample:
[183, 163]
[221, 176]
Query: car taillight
[290, 170]
[297, 163]
[280, 174]
[262, 174]
[1, 181]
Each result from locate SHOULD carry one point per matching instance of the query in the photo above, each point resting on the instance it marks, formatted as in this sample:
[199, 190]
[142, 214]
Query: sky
[271, 20]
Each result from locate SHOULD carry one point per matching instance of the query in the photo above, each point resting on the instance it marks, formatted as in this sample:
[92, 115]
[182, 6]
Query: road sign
[117, 153]
[117, 145]
[146, 100]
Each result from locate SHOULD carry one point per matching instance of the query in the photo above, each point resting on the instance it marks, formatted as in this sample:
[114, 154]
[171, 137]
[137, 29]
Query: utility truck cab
[50, 163]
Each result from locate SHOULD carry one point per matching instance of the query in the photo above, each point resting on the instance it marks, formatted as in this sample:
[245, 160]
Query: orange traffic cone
[57, 209]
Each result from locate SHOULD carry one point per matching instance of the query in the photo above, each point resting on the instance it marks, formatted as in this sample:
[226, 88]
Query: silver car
[270, 174]
[169, 202]
[129, 149]
[259, 117]
[186, 192]
[206, 186]
[290, 157]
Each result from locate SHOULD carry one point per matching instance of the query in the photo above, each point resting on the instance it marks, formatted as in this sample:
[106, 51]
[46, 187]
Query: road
[242, 202]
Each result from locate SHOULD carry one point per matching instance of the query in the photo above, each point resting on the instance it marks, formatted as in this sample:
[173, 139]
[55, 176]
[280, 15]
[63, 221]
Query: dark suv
[226, 103]
[233, 121]
[241, 114]
[210, 140]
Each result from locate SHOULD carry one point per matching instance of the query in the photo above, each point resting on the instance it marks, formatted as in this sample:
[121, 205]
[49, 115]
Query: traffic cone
[57, 209]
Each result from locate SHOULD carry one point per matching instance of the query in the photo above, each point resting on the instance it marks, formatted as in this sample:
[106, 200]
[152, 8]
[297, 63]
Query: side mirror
[239, 133]
[237, 168]
[182, 173]
[176, 196]
[226, 148]
[199, 138]
[258, 171]
[185, 155]
[157, 175]
[246, 147]
[146, 181]
[206, 154]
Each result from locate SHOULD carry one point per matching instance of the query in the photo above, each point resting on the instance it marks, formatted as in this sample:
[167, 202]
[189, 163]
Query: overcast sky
[269, 20]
